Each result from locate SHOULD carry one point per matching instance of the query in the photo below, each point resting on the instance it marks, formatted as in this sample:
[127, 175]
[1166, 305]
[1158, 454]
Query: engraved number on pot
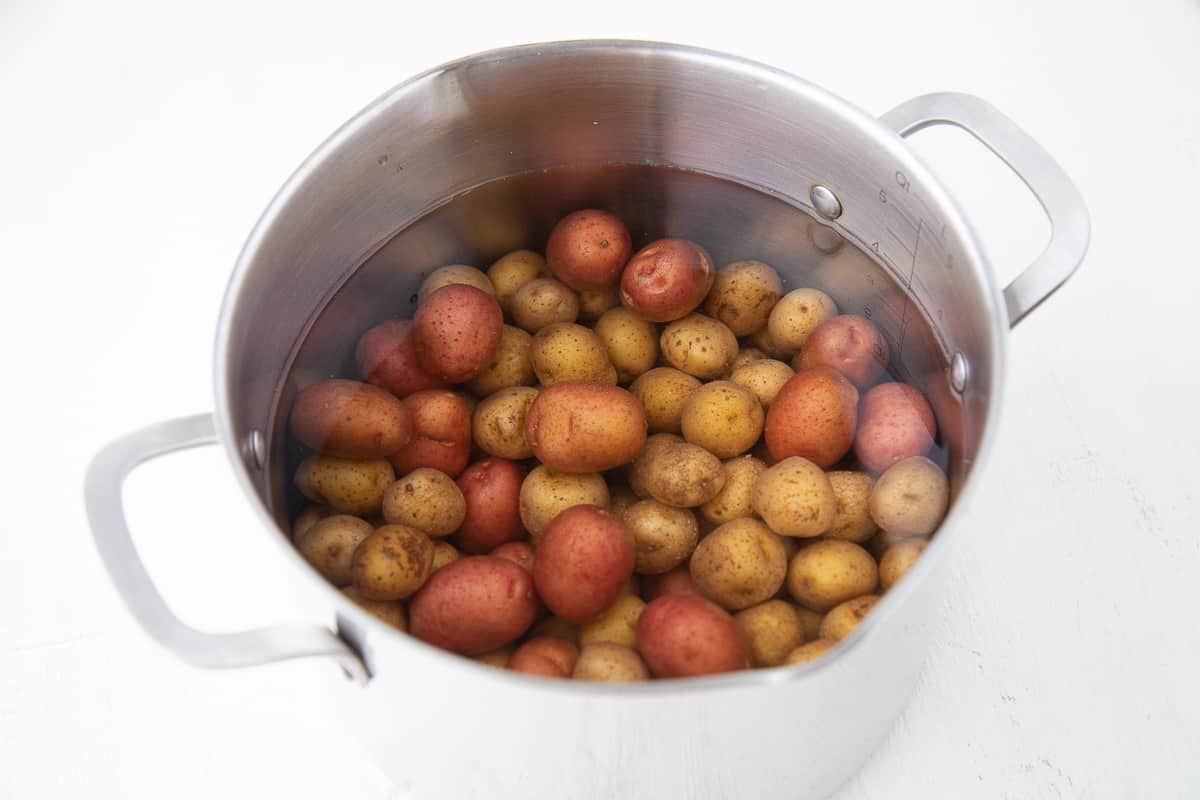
[882, 196]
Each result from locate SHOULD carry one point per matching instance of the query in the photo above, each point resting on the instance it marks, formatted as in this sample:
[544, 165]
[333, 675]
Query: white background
[138, 143]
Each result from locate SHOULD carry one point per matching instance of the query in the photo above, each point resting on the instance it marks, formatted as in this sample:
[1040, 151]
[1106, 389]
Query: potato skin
[427, 500]
[610, 663]
[895, 422]
[723, 418]
[389, 611]
[765, 378]
[348, 486]
[386, 358]
[310, 516]
[641, 471]
[684, 475]
[558, 628]
[631, 342]
[810, 621]
[814, 416]
[830, 572]
[617, 624]
[620, 499]
[329, 544]
[546, 493]
[585, 427]
[740, 564]
[543, 302]
[512, 271]
[796, 316]
[745, 357]
[810, 651]
[498, 423]
[546, 657]
[441, 438]
[664, 536]
[456, 332]
[910, 498]
[454, 274]
[519, 553]
[794, 498]
[510, 366]
[898, 560]
[566, 352]
[772, 630]
[594, 302]
[852, 345]
[852, 519]
[742, 296]
[497, 658]
[736, 497]
[663, 393]
[699, 346]
[666, 279]
[349, 419]
[588, 249]
[444, 553]
[843, 618]
[584, 558]
[684, 636]
[491, 491]
[392, 563]
[473, 606]
[674, 581]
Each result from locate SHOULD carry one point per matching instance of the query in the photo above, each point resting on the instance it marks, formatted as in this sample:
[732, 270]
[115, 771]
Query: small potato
[745, 357]
[795, 498]
[699, 346]
[546, 657]
[829, 572]
[588, 249]
[851, 345]
[511, 366]
[348, 486]
[585, 427]
[389, 611]
[452, 274]
[392, 563]
[666, 280]
[583, 560]
[386, 358]
[330, 543]
[308, 517]
[566, 352]
[664, 536]
[519, 553]
[473, 606]
[796, 316]
[456, 332]
[736, 497]
[740, 564]
[895, 422]
[444, 553]
[772, 630]
[348, 419]
[763, 342]
[879, 544]
[620, 498]
[496, 658]
[610, 663]
[674, 581]
[852, 520]
[491, 491]
[543, 302]
[618, 624]
[764, 378]
[810, 621]
[594, 302]
[558, 628]
[814, 415]
[684, 475]
[843, 618]
[898, 560]
[427, 500]
[683, 636]
[441, 433]
[499, 423]
[663, 393]
[911, 498]
[546, 493]
[809, 652]
[631, 342]
[723, 418]
[641, 471]
[743, 295]
[512, 271]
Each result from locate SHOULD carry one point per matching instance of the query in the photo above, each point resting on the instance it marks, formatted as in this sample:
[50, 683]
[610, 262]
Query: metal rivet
[255, 447]
[825, 201]
[960, 371]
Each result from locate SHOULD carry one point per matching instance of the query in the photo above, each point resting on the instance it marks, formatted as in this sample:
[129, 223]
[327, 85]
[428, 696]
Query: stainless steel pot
[786, 732]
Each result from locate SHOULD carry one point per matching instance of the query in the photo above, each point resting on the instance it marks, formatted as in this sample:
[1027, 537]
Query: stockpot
[448, 727]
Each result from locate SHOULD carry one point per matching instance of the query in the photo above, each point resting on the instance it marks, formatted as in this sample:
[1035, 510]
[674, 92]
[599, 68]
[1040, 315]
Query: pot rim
[884, 138]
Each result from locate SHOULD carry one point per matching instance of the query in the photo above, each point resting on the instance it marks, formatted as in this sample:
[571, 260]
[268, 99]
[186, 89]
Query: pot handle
[1070, 226]
[106, 513]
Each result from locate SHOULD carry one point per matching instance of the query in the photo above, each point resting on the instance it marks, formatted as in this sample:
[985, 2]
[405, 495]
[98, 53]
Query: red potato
[682, 636]
[666, 280]
[474, 605]
[585, 427]
[348, 419]
[895, 422]
[813, 416]
[386, 358]
[492, 489]
[456, 332]
[675, 581]
[441, 439]
[584, 558]
[545, 656]
[588, 249]
[519, 553]
[851, 345]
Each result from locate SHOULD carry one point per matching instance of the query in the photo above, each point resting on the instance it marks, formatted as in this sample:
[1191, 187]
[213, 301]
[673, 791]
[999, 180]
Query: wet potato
[664, 536]
[663, 393]
[498, 423]
[542, 302]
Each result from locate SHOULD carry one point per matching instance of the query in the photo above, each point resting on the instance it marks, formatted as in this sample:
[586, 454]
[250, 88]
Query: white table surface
[138, 143]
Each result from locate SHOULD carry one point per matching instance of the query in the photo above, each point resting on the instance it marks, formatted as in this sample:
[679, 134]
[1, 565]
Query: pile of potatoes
[617, 466]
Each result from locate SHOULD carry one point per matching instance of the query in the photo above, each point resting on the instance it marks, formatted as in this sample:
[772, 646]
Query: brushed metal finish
[825, 202]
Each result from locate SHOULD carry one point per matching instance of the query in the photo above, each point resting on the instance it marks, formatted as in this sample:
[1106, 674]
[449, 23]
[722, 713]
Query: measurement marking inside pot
[908, 286]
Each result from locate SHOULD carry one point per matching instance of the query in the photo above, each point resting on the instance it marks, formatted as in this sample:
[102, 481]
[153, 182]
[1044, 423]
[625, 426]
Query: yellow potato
[852, 520]
[761, 340]
[594, 302]
[543, 302]
[745, 357]
[454, 273]
[699, 346]
[497, 658]
[348, 486]
[898, 560]
[544, 494]
[631, 342]
[742, 296]
[308, 517]
[640, 471]
[910, 498]
[498, 423]
[664, 536]
[511, 272]
[329, 545]
[511, 366]
[809, 652]
[771, 630]
[444, 553]
[810, 620]
[843, 618]
[620, 498]
[723, 418]
[617, 625]
[568, 352]
[796, 315]
[610, 663]
[739, 565]
[764, 378]
[879, 544]
[663, 392]
[392, 563]
[794, 498]
[427, 500]
[734, 499]
[683, 475]
[829, 572]
[390, 611]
